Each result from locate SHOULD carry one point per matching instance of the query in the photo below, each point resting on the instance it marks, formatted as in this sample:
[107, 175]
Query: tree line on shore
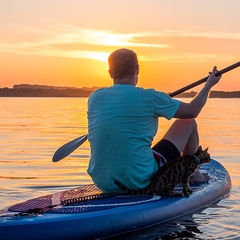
[27, 90]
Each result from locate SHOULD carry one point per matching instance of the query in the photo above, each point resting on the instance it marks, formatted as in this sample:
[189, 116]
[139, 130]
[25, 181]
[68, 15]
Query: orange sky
[67, 42]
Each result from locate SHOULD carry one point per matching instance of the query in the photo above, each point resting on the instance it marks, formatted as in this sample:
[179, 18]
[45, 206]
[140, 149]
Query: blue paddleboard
[86, 213]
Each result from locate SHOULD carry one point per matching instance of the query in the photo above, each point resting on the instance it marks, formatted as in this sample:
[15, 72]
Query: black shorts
[167, 149]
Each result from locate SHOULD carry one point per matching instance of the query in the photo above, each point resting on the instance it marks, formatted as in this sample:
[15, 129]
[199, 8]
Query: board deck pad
[83, 199]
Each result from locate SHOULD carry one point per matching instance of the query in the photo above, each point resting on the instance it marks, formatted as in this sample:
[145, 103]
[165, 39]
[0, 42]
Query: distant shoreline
[26, 90]
[213, 94]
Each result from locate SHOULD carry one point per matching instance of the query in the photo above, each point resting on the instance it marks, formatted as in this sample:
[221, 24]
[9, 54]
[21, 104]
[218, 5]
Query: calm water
[31, 129]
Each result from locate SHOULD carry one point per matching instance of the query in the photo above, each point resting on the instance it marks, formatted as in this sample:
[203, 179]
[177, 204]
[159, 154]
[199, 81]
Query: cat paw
[187, 194]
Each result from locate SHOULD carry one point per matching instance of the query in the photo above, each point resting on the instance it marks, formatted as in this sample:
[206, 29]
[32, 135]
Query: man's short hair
[122, 63]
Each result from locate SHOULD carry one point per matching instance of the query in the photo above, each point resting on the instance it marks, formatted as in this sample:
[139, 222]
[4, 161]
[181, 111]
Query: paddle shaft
[192, 85]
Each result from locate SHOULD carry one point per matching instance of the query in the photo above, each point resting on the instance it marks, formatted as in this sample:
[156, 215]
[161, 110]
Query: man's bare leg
[184, 135]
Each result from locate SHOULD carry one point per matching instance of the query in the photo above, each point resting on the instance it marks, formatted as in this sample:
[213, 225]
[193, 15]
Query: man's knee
[192, 122]
[188, 122]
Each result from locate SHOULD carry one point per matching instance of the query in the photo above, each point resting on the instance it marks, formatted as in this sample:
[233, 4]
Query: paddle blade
[68, 148]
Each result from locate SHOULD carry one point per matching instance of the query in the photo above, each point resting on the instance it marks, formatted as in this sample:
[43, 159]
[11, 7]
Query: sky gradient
[67, 42]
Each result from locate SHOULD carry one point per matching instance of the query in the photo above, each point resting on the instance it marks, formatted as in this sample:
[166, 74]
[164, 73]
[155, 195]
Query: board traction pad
[82, 199]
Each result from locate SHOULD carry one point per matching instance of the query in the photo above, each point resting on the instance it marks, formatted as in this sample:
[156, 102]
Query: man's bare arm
[192, 109]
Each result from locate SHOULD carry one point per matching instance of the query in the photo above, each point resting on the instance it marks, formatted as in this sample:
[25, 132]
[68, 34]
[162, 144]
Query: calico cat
[171, 174]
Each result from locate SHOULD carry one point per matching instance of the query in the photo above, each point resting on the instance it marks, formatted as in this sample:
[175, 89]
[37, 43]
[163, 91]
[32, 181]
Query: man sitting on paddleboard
[123, 120]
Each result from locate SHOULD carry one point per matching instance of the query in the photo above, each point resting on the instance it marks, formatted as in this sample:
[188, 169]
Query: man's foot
[199, 177]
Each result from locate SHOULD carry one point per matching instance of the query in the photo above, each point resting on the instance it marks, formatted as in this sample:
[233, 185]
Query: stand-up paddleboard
[87, 213]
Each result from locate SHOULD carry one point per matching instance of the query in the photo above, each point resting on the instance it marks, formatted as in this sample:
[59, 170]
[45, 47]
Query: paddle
[181, 90]
[69, 147]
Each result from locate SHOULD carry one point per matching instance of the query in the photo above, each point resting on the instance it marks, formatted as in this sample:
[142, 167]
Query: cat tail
[121, 186]
[129, 191]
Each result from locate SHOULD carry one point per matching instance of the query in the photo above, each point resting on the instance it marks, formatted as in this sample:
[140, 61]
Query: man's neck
[127, 80]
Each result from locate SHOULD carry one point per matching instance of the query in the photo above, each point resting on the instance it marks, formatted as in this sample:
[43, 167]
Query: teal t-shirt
[122, 122]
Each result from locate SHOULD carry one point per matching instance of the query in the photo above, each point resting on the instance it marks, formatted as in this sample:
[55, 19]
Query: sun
[93, 55]
[101, 56]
